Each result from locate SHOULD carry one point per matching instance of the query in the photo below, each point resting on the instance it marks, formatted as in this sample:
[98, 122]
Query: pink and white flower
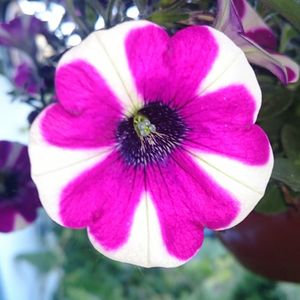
[153, 139]
[239, 21]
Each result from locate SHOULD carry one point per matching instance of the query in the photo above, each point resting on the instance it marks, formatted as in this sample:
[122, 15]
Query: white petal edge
[145, 246]
[46, 158]
[231, 67]
[245, 183]
[52, 168]
[105, 50]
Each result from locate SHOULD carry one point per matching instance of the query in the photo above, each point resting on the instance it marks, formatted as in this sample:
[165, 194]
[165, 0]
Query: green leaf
[273, 129]
[287, 172]
[77, 293]
[290, 9]
[288, 32]
[290, 138]
[272, 201]
[44, 261]
[162, 17]
[276, 100]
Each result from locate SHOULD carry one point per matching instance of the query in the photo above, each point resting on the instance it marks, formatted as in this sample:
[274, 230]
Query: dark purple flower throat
[150, 134]
[8, 185]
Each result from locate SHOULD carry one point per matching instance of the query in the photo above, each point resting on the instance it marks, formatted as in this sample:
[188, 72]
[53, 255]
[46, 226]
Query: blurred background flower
[238, 20]
[19, 200]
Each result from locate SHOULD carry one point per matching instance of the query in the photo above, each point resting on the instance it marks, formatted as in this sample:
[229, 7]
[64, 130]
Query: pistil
[143, 126]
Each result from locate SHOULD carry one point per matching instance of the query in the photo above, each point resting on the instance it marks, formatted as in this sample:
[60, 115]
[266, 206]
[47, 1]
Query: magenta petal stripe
[89, 111]
[254, 26]
[226, 117]
[163, 68]
[79, 88]
[84, 131]
[240, 7]
[104, 199]
[248, 145]
[187, 200]
[145, 49]
[263, 37]
[232, 105]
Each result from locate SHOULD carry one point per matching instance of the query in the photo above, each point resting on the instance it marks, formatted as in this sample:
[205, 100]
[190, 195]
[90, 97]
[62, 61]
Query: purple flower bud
[238, 20]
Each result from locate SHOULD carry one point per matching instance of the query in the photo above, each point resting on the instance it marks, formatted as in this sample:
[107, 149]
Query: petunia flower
[152, 140]
[18, 195]
[20, 31]
[238, 20]
[25, 78]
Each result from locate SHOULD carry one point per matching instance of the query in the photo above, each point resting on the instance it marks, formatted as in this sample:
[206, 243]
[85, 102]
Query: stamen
[142, 126]
[150, 135]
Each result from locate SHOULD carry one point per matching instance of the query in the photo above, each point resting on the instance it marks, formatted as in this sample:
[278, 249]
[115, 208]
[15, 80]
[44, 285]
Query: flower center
[8, 185]
[150, 135]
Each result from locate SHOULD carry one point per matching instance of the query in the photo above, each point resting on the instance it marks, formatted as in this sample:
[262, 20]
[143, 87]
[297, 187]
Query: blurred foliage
[212, 275]
[290, 9]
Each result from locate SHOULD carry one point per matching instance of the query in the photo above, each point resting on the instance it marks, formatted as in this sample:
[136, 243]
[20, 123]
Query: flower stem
[109, 13]
[71, 10]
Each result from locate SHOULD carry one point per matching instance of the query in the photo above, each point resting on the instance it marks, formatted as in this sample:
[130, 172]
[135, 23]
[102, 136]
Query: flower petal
[187, 200]
[10, 152]
[292, 68]
[220, 118]
[53, 167]
[249, 145]
[170, 69]
[105, 51]
[93, 129]
[91, 199]
[254, 26]
[51, 184]
[144, 246]
[80, 88]
[145, 48]
[89, 112]
[232, 105]
[28, 203]
[5, 150]
[228, 18]
[7, 219]
[240, 22]
[231, 68]
[280, 65]
[246, 183]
